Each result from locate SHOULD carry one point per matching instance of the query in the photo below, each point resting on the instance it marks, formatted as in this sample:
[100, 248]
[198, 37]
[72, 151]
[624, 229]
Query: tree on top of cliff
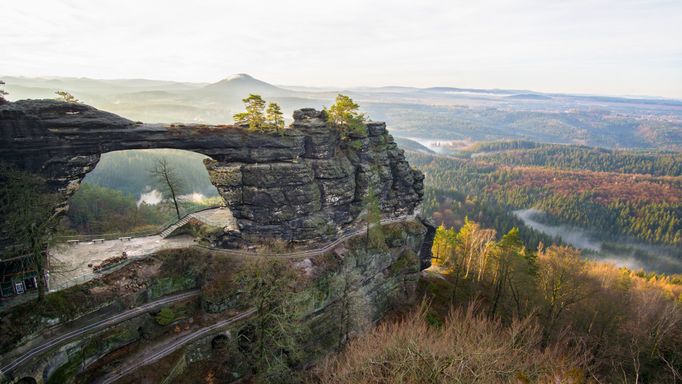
[344, 115]
[254, 117]
[67, 97]
[273, 117]
[3, 93]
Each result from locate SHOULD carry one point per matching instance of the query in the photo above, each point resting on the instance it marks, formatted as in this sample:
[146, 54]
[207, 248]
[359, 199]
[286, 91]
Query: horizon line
[341, 88]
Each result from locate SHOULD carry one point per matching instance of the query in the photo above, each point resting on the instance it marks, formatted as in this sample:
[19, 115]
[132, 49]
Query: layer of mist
[574, 236]
[622, 253]
[154, 197]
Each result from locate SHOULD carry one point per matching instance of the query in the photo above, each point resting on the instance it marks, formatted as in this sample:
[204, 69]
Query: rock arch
[303, 184]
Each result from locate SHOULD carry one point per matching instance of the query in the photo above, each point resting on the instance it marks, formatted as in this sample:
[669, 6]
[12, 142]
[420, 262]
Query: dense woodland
[579, 157]
[641, 207]
[452, 208]
[95, 210]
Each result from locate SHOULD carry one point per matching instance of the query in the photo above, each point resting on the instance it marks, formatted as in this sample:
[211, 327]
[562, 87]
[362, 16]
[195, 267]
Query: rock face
[304, 184]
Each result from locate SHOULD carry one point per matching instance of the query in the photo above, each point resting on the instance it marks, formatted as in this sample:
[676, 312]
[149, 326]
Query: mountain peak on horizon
[239, 76]
[241, 83]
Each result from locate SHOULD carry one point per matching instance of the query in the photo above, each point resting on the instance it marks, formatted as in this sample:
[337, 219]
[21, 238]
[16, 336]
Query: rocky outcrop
[303, 184]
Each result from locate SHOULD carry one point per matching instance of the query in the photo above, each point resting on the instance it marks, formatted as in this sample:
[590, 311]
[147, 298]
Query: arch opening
[136, 202]
[220, 343]
[126, 194]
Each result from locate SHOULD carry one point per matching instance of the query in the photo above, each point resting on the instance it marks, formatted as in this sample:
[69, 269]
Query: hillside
[525, 153]
[496, 311]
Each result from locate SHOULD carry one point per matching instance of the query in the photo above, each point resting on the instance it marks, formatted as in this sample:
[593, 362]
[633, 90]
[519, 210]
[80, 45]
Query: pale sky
[615, 47]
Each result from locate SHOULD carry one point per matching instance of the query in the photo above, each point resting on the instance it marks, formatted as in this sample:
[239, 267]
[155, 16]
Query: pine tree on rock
[254, 116]
[274, 117]
[344, 116]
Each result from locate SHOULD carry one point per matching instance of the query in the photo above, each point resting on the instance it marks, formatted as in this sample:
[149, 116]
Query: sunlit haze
[618, 47]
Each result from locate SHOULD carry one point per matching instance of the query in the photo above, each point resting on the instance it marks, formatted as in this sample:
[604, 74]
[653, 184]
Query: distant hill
[240, 85]
[529, 96]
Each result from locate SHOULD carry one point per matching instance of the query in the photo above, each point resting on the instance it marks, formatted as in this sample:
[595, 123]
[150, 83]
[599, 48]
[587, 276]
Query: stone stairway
[166, 232]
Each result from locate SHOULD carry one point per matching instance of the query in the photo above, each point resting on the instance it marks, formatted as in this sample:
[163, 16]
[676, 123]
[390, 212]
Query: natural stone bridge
[303, 184]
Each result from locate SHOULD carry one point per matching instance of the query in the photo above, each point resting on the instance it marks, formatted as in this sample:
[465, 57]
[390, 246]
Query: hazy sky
[624, 47]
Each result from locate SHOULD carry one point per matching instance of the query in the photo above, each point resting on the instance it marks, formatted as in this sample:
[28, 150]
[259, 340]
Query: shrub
[67, 97]
[165, 316]
[466, 348]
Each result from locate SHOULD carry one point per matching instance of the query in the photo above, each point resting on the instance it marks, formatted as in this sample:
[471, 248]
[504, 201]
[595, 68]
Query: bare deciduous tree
[168, 180]
[561, 282]
[271, 338]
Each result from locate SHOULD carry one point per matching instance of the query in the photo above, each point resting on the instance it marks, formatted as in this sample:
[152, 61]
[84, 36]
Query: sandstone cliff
[303, 184]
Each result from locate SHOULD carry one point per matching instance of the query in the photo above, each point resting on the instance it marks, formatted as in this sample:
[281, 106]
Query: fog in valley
[621, 252]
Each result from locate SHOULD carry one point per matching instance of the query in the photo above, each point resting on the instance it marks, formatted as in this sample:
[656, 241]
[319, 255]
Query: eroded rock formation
[306, 183]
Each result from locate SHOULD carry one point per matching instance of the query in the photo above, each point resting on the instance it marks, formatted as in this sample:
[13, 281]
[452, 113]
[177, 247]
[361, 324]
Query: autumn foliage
[498, 312]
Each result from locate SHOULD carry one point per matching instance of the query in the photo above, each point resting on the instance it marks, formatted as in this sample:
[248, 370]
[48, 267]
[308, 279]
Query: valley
[627, 200]
[625, 253]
